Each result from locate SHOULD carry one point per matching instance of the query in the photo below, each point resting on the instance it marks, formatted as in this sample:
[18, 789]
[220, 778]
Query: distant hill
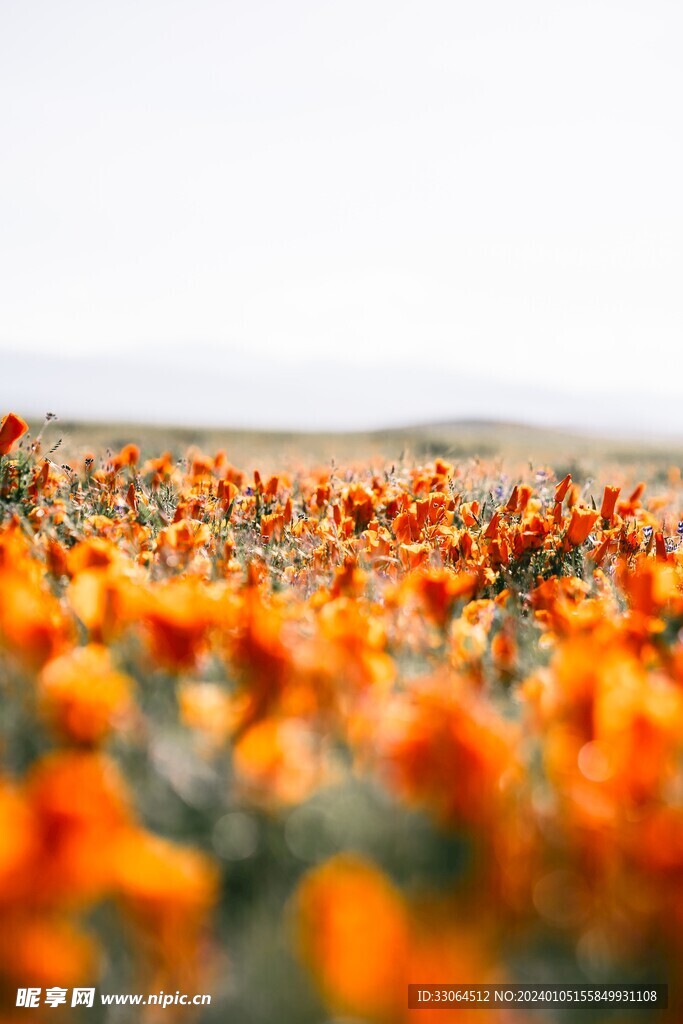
[584, 455]
[198, 386]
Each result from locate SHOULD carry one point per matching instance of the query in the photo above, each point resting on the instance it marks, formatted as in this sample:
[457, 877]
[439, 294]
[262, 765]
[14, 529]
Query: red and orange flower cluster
[506, 657]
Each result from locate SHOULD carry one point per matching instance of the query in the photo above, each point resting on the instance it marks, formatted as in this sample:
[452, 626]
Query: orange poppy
[11, 429]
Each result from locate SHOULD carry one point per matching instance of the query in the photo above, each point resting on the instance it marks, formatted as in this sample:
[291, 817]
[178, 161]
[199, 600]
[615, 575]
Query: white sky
[490, 188]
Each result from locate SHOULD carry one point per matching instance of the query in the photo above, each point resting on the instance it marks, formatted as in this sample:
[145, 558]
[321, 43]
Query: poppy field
[300, 739]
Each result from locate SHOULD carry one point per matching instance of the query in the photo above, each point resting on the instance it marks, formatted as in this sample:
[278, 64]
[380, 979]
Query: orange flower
[353, 934]
[32, 623]
[504, 650]
[599, 554]
[469, 512]
[128, 456]
[525, 493]
[413, 555]
[17, 839]
[492, 529]
[272, 526]
[609, 501]
[562, 488]
[177, 617]
[166, 892]
[448, 749]
[629, 507]
[184, 536]
[131, 498]
[82, 694]
[158, 876]
[81, 804]
[44, 946]
[441, 589]
[11, 429]
[207, 708]
[279, 761]
[405, 527]
[363, 943]
[512, 501]
[580, 525]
